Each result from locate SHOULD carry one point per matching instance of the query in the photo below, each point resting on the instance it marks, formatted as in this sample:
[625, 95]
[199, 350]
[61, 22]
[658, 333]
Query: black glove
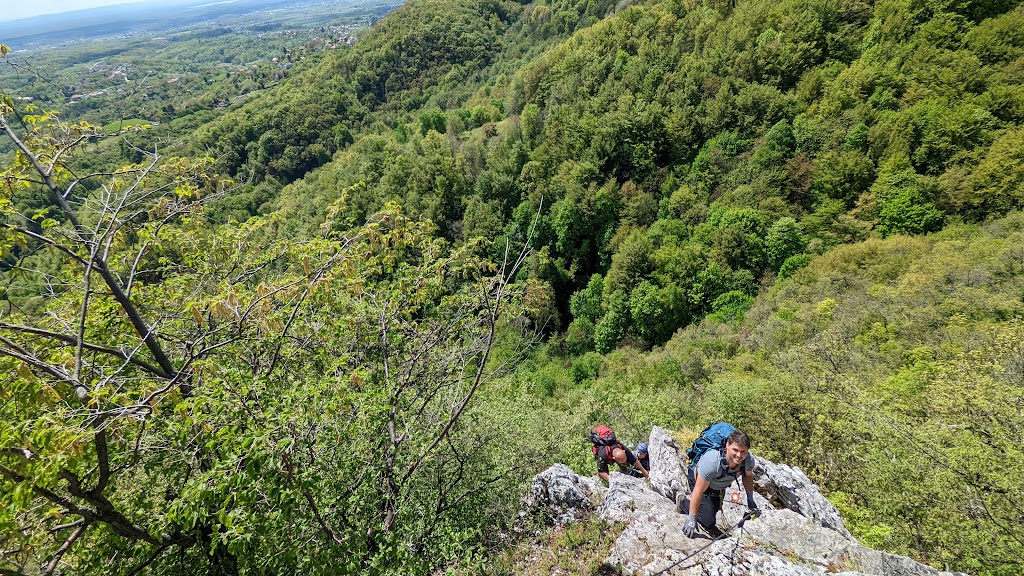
[690, 528]
[754, 510]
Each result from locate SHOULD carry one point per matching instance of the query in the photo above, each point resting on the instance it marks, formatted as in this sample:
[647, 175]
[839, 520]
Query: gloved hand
[754, 510]
[690, 528]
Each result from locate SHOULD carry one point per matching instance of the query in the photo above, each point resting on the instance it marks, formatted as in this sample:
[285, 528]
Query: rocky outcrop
[791, 488]
[560, 495]
[668, 475]
[803, 536]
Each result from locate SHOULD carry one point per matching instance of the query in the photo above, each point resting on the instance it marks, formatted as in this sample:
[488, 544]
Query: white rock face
[794, 490]
[668, 475]
[560, 494]
[804, 538]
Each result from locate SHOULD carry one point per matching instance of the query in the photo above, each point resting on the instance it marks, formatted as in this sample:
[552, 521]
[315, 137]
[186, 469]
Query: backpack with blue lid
[712, 438]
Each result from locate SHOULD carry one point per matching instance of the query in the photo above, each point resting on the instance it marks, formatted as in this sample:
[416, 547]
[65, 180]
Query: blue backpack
[712, 438]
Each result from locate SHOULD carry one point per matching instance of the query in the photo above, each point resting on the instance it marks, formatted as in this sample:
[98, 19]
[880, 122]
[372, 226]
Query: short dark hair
[740, 438]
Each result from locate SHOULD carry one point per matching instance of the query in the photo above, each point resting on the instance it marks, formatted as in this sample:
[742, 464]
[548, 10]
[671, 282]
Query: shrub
[579, 337]
[731, 306]
[792, 265]
[586, 367]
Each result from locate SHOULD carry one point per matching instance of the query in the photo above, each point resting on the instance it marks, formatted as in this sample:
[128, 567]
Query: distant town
[334, 37]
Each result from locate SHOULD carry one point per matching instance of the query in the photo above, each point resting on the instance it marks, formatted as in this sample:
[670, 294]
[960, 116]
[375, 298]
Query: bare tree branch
[103, 462]
[492, 317]
[67, 147]
[49, 568]
[56, 529]
[49, 495]
[44, 240]
[83, 314]
[15, 351]
[149, 560]
[319, 273]
[140, 326]
[93, 347]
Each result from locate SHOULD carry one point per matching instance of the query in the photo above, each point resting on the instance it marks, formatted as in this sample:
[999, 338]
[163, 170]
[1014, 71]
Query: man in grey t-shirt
[713, 473]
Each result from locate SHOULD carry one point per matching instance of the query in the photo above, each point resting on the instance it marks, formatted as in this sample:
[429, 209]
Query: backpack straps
[725, 466]
[608, 451]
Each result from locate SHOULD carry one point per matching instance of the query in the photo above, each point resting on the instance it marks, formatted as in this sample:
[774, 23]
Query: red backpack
[602, 435]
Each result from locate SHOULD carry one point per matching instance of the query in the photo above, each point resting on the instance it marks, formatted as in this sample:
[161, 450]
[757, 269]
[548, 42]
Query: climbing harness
[746, 516]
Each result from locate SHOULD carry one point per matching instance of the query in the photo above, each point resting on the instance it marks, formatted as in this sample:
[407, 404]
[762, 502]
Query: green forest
[337, 325]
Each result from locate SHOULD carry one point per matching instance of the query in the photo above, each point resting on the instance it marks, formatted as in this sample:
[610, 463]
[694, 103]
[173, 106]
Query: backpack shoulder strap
[725, 466]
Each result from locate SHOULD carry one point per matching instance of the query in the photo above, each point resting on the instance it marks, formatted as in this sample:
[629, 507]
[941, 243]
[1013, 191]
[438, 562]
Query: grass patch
[122, 124]
[577, 549]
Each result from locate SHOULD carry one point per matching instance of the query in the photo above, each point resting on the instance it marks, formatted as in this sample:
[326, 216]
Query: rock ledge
[799, 533]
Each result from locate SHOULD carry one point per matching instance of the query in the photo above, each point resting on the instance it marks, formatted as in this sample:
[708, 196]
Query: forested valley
[336, 325]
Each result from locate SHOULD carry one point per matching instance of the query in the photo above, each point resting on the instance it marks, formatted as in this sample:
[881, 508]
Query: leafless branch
[52, 565]
[140, 325]
[44, 240]
[103, 462]
[503, 277]
[64, 149]
[88, 346]
[45, 493]
[15, 351]
[83, 313]
[319, 273]
[148, 561]
[56, 529]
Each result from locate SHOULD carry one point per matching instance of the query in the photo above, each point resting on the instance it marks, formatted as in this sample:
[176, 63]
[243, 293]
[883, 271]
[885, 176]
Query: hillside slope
[684, 157]
[890, 371]
[684, 152]
[800, 216]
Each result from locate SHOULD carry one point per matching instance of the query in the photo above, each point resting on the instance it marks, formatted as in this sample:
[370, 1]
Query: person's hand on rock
[690, 528]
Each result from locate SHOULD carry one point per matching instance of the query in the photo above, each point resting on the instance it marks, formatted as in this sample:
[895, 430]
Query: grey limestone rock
[791, 488]
[561, 494]
[652, 523]
[668, 475]
[791, 541]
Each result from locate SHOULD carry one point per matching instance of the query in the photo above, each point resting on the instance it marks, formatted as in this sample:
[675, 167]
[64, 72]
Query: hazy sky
[15, 9]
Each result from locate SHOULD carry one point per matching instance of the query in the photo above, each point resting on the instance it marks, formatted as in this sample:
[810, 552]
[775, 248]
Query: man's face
[735, 454]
